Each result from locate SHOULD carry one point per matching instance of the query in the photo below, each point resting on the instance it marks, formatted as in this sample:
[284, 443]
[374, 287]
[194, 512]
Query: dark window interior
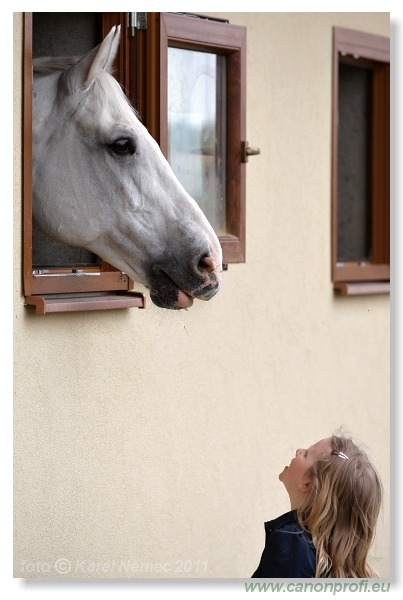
[354, 213]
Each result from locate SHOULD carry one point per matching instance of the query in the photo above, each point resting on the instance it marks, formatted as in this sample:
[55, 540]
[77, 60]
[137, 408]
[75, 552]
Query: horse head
[100, 181]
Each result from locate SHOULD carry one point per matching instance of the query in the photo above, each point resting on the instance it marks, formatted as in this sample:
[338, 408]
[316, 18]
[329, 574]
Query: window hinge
[137, 20]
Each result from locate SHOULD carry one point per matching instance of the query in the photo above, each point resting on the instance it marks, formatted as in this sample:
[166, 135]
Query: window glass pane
[354, 202]
[196, 128]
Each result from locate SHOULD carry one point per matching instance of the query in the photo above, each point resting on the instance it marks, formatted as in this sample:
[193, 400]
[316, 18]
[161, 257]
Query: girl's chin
[282, 473]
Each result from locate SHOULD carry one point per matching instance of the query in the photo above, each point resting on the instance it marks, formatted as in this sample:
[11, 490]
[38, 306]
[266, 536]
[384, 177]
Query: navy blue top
[288, 551]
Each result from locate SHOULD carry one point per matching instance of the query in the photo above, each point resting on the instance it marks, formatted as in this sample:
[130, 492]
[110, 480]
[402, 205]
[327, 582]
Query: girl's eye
[123, 146]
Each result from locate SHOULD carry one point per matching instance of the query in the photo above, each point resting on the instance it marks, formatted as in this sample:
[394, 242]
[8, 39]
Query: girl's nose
[299, 451]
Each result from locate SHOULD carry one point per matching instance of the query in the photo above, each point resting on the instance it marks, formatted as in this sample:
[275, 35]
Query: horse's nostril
[206, 264]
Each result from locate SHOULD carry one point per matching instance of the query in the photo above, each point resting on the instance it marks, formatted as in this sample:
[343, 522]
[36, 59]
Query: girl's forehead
[322, 447]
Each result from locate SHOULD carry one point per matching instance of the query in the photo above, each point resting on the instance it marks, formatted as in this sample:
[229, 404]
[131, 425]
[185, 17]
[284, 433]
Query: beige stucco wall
[156, 437]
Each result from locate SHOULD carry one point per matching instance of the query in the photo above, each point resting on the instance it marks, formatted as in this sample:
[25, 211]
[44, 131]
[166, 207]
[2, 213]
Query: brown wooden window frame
[372, 276]
[68, 289]
[199, 33]
[141, 68]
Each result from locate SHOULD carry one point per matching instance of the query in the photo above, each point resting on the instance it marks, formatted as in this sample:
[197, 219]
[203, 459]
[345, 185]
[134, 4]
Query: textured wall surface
[145, 439]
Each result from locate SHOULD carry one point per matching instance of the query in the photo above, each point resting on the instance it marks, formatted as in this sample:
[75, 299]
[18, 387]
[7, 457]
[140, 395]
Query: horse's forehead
[106, 105]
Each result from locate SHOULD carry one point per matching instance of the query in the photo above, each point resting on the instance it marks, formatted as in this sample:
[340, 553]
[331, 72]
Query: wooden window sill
[56, 303]
[361, 288]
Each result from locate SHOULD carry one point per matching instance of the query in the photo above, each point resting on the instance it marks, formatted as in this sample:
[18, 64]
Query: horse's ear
[105, 55]
[98, 59]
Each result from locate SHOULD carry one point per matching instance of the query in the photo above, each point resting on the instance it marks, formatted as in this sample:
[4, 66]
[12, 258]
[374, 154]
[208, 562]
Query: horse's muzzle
[174, 290]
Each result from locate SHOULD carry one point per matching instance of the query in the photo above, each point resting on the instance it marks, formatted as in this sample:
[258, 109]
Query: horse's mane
[47, 64]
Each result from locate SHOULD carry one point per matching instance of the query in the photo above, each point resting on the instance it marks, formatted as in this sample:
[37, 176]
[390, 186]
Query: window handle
[248, 151]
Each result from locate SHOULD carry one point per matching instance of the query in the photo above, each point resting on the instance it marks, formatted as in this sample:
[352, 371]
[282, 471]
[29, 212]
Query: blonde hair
[341, 510]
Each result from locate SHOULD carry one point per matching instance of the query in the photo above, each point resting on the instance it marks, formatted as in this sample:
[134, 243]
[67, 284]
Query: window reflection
[196, 128]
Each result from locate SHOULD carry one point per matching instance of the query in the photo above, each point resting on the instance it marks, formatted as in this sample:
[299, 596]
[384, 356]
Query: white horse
[101, 182]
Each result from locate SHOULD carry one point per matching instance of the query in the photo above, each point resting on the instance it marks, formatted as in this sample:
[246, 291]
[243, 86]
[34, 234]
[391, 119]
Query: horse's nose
[206, 265]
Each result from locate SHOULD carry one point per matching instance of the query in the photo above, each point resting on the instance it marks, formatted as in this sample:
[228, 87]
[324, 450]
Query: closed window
[360, 194]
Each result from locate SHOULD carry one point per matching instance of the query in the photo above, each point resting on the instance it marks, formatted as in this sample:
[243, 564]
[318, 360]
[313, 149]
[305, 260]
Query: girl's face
[295, 477]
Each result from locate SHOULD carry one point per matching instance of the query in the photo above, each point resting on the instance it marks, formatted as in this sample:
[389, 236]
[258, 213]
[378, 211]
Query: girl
[335, 496]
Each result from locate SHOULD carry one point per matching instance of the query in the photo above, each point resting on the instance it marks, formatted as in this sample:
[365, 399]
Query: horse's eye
[123, 146]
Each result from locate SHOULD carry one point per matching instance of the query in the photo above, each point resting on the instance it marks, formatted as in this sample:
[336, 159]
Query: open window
[60, 278]
[192, 98]
[186, 76]
[361, 162]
